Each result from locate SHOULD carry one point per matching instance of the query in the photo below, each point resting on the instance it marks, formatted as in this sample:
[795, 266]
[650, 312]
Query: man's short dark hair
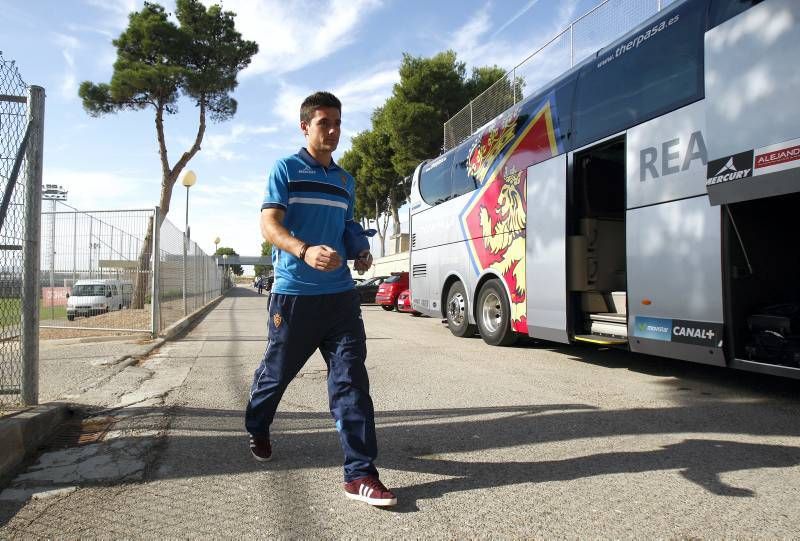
[317, 100]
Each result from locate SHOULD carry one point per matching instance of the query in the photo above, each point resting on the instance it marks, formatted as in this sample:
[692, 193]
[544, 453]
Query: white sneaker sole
[259, 458]
[372, 501]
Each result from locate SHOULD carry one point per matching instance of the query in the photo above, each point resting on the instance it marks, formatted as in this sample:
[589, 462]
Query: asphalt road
[537, 441]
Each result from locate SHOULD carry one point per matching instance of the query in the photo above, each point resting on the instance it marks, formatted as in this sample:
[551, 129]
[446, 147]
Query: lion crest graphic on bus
[494, 218]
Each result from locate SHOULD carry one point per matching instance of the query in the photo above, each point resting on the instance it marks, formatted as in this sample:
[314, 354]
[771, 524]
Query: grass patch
[10, 310]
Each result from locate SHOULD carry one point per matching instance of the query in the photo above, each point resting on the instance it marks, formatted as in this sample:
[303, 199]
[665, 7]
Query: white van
[92, 297]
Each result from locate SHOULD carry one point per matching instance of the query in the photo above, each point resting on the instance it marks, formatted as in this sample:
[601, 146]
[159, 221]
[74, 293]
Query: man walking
[313, 304]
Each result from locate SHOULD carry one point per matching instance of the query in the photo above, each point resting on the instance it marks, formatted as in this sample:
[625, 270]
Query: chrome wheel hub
[491, 312]
[456, 309]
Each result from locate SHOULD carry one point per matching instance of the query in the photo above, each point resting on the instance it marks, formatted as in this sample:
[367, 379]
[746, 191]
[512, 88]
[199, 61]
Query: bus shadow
[680, 376]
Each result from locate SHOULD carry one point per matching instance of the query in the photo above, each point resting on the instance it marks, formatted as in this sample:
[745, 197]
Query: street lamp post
[225, 266]
[216, 247]
[188, 180]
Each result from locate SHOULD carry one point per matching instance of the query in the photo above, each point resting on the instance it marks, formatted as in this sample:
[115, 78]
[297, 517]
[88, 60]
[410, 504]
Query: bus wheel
[458, 311]
[494, 315]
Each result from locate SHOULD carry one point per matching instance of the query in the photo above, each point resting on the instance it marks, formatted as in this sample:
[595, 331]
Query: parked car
[404, 303]
[368, 288]
[390, 289]
[92, 297]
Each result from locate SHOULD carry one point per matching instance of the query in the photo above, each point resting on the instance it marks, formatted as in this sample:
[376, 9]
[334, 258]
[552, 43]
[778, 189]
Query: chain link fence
[582, 38]
[21, 132]
[97, 271]
[188, 278]
[91, 269]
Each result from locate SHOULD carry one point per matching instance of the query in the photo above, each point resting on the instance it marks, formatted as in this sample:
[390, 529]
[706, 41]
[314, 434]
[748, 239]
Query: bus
[645, 199]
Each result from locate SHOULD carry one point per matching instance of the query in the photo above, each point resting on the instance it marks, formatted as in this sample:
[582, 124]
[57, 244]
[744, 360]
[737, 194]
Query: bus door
[597, 279]
[545, 250]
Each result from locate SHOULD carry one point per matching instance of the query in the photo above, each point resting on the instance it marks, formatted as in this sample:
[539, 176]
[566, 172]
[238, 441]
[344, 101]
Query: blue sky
[352, 48]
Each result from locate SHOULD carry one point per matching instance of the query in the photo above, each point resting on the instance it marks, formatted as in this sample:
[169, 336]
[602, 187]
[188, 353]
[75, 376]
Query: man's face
[323, 131]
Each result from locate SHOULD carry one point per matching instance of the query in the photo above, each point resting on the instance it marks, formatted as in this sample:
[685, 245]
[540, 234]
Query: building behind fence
[583, 37]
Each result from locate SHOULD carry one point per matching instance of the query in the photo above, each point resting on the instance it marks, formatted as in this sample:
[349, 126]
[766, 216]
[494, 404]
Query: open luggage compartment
[762, 277]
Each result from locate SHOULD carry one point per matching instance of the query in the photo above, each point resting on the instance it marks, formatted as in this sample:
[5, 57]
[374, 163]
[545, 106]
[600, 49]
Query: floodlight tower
[53, 193]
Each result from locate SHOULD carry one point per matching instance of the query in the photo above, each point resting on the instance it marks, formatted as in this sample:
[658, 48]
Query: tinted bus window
[562, 92]
[462, 181]
[434, 182]
[722, 10]
[646, 74]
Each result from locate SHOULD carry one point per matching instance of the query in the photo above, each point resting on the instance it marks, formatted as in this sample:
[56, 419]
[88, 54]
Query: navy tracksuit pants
[298, 325]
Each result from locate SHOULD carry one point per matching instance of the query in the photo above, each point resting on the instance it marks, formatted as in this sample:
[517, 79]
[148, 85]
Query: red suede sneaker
[370, 490]
[260, 448]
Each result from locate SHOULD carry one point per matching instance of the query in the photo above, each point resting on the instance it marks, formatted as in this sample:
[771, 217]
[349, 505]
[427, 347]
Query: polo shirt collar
[306, 156]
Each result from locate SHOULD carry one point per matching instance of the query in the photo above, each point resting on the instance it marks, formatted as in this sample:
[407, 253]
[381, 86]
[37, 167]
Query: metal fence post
[183, 288]
[571, 45]
[155, 309]
[31, 249]
[74, 246]
[471, 123]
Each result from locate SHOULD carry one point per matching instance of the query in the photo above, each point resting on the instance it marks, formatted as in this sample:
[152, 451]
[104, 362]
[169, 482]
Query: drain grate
[82, 432]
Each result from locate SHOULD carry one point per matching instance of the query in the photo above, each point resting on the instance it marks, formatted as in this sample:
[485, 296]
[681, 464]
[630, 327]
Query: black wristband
[302, 255]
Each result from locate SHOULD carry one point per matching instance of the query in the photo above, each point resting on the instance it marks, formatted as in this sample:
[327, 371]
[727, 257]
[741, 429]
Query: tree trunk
[395, 219]
[168, 178]
[143, 269]
[381, 231]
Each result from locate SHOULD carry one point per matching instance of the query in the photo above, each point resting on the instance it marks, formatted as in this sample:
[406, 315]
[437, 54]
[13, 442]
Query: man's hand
[323, 258]
[363, 262]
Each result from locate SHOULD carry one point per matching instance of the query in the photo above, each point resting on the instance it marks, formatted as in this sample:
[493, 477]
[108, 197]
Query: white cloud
[68, 86]
[218, 146]
[294, 34]
[360, 93]
[117, 11]
[228, 187]
[90, 190]
[363, 92]
[467, 38]
[519, 14]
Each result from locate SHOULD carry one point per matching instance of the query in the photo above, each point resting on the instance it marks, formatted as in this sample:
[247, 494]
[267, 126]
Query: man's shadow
[700, 461]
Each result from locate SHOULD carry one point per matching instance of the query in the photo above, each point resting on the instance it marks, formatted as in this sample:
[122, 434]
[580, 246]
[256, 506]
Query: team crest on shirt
[344, 179]
[277, 320]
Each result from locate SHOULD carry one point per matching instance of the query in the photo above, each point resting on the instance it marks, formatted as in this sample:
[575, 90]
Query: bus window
[649, 73]
[462, 181]
[722, 10]
[434, 181]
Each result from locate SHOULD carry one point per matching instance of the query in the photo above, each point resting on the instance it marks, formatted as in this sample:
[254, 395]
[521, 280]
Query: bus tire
[458, 311]
[493, 314]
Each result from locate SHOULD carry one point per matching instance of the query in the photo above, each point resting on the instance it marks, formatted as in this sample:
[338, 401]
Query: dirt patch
[58, 334]
[97, 325]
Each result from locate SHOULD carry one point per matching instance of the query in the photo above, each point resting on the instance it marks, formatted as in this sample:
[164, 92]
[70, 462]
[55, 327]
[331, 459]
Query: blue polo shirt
[317, 201]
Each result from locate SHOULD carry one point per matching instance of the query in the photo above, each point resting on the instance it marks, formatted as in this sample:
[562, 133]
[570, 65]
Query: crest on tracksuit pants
[277, 320]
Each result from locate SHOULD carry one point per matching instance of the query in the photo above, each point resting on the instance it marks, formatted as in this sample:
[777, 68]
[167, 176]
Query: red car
[404, 303]
[390, 290]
